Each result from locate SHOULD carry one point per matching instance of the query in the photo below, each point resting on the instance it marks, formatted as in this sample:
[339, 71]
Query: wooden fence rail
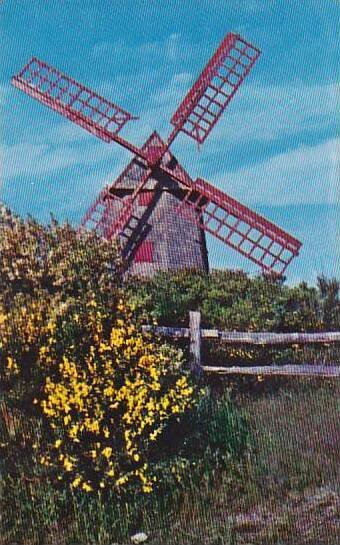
[195, 334]
[298, 370]
[240, 337]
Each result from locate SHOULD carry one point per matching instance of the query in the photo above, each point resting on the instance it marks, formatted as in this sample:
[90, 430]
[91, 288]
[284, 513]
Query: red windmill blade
[203, 105]
[252, 235]
[71, 99]
[84, 107]
[217, 84]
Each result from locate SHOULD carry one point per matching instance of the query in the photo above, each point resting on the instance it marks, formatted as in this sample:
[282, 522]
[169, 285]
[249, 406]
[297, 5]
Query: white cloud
[266, 113]
[125, 49]
[169, 96]
[309, 174]
[33, 159]
[260, 114]
[172, 48]
[65, 132]
[169, 47]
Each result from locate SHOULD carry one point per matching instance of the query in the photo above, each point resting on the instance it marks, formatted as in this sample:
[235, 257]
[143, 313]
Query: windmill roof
[132, 174]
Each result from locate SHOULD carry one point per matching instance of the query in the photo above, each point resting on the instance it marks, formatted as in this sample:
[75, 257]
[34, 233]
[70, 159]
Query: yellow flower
[122, 480]
[122, 383]
[87, 487]
[76, 482]
[107, 452]
[153, 435]
[12, 365]
[68, 465]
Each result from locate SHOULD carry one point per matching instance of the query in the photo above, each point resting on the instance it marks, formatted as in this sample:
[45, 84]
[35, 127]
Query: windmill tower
[157, 212]
[155, 238]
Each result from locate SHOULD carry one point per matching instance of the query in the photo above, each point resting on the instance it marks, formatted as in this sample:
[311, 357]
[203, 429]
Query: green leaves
[53, 258]
[231, 300]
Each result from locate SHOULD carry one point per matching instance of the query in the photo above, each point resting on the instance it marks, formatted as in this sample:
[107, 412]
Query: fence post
[195, 342]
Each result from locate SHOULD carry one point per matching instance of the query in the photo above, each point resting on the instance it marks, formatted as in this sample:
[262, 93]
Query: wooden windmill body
[157, 238]
[157, 212]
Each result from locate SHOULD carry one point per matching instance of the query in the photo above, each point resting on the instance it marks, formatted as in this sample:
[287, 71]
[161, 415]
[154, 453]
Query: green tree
[330, 302]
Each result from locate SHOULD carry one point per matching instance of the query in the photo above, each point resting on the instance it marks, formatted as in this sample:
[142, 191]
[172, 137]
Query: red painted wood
[71, 99]
[250, 234]
[144, 252]
[145, 198]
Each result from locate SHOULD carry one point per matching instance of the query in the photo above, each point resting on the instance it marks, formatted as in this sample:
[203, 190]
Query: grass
[285, 493]
[289, 491]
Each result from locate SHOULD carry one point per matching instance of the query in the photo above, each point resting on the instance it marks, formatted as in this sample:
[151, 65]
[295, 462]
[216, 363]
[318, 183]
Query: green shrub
[231, 300]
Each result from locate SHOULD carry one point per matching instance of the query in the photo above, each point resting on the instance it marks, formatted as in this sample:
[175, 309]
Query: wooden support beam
[196, 334]
[269, 338]
[195, 342]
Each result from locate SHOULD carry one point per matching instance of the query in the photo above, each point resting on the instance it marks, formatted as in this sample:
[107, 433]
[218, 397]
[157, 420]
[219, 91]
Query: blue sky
[275, 148]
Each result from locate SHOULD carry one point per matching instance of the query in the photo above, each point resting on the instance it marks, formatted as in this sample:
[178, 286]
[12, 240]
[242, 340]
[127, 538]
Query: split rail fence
[195, 335]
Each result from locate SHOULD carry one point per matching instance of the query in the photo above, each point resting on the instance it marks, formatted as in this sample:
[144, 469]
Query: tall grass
[275, 485]
[36, 509]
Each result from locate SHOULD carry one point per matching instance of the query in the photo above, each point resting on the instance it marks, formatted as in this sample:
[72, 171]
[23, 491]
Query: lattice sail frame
[212, 92]
[71, 99]
[247, 232]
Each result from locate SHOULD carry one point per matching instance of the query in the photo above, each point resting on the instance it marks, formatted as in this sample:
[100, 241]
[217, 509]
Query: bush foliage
[72, 353]
[231, 300]
[111, 396]
[43, 270]
[115, 410]
[92, 410]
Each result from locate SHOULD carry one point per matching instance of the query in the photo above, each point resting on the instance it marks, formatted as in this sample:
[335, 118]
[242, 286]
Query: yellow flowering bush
[72, 353]
[43, 269]
[110, 392]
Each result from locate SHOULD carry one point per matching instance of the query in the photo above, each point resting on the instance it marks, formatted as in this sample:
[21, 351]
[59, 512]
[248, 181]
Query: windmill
[154, 208]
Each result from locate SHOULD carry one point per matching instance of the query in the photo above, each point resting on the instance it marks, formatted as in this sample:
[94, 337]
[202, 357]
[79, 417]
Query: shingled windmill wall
[157, 238]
